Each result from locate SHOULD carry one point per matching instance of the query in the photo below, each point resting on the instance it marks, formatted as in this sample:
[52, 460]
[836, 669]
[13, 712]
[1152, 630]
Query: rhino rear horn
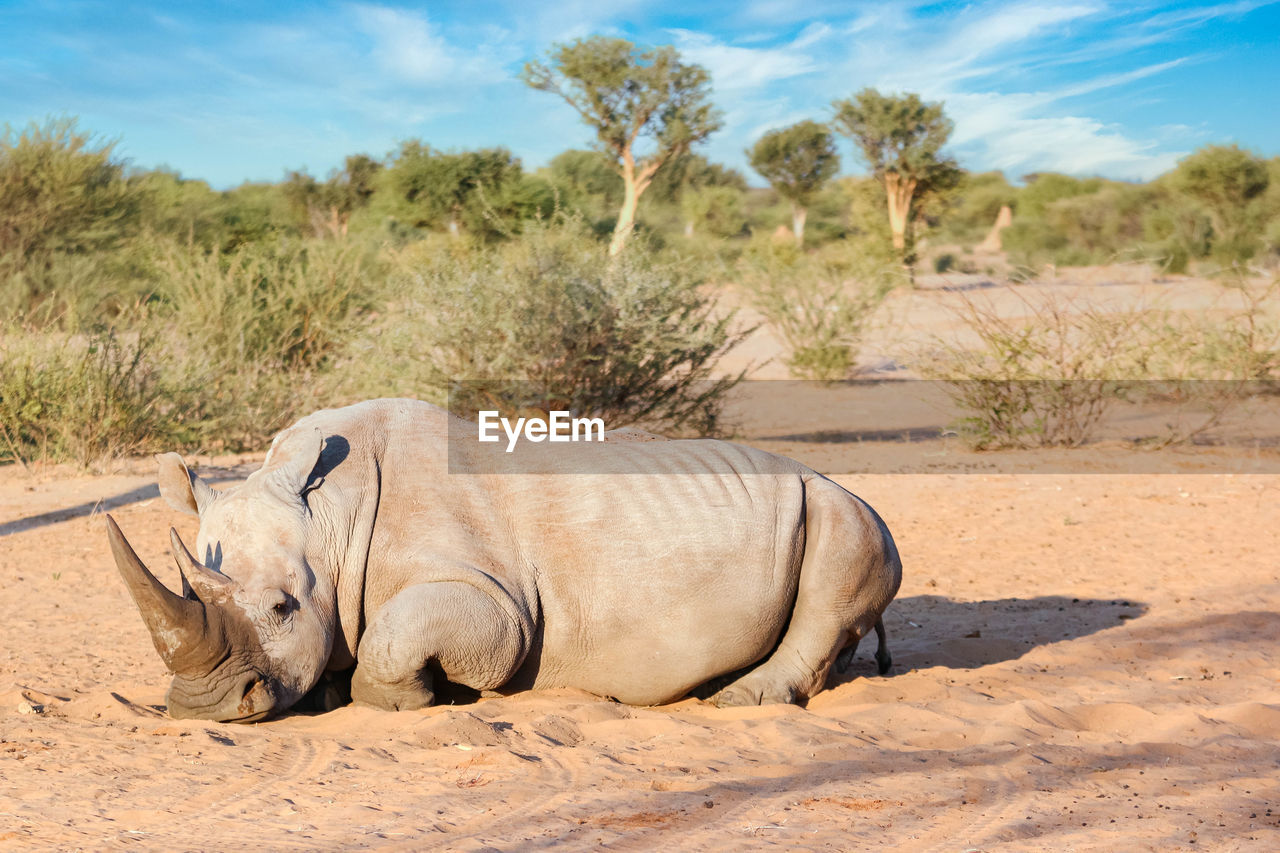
[208, 585]
[179, 627]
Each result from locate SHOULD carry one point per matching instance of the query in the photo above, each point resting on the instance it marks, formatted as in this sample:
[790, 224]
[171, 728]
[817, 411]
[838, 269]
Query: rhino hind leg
[849, 574]
[796, 670]
[450, 629]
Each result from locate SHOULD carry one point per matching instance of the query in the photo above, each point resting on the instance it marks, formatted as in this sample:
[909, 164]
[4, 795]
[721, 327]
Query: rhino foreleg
[450, 627]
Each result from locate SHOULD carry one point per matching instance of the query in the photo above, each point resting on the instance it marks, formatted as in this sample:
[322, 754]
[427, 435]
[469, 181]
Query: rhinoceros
[690, 563]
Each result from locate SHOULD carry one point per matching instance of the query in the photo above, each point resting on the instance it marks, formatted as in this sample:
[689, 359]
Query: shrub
[1043, 381]
[548, 321]
[291, 304]
[1086, 228]
[975, 206]
[1271, 242]
[1048, 378]
[714, 210]
[65, 208]
[78, 398]
[1045, 188]
[1235, 341]
[819, 302]
[1176, 232]
[61, 190]
[1226, 181]
[251, 336]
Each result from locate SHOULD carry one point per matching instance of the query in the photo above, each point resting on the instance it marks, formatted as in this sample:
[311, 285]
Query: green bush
[548, 321]
[1176, 232]
[714, 210]
[79, 398]
[65, 207]
[1097, 227]
[1228, 184]
[974, 206]
[254, 334]
[61, 190]
[1043, 189]
[1271, 243]
[290, 304]
[819, 302]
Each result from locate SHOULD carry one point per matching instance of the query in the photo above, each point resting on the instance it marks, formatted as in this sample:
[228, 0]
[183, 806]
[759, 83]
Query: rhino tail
[884, 660]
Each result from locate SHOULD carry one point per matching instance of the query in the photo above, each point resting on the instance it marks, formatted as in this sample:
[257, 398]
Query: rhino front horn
[179, 627]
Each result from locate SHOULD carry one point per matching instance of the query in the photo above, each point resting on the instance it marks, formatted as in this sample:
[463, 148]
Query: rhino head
[253, 629]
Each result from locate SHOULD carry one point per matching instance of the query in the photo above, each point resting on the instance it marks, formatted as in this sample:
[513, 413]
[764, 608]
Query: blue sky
[240, 91]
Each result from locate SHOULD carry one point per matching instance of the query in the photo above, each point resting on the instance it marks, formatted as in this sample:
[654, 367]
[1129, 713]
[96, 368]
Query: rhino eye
[283, 606]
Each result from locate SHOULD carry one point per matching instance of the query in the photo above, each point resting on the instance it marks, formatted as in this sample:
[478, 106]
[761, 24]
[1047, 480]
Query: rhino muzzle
[214, 678]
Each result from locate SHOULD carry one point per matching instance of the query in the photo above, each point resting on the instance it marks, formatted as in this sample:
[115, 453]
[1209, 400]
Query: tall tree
[61, 190]
[901, 139]
[326, 208]
[796, 161]
[445, 188]
[628, 95]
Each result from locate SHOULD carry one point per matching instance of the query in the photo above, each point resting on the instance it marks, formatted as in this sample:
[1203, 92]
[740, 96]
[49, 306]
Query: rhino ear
[292, 458]
[181, 489]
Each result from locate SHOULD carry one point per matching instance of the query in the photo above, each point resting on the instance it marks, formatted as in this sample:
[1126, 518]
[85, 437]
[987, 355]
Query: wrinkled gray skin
[354, 545]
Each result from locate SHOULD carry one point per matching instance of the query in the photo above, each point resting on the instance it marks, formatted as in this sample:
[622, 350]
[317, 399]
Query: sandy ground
[1082, 661]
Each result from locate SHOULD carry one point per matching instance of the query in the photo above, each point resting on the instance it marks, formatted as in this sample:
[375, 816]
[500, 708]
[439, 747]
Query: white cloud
[408, 47]
[734, 68]
[983, 41]
[978, 62]
[1108, 81]
[1010, 133]
[404, 44]
[1201, 14]
[989, 30]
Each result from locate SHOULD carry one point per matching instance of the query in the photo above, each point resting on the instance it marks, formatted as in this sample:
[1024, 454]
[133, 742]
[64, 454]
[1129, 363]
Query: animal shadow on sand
[336, 449]
[149, 492]
[933, 630]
